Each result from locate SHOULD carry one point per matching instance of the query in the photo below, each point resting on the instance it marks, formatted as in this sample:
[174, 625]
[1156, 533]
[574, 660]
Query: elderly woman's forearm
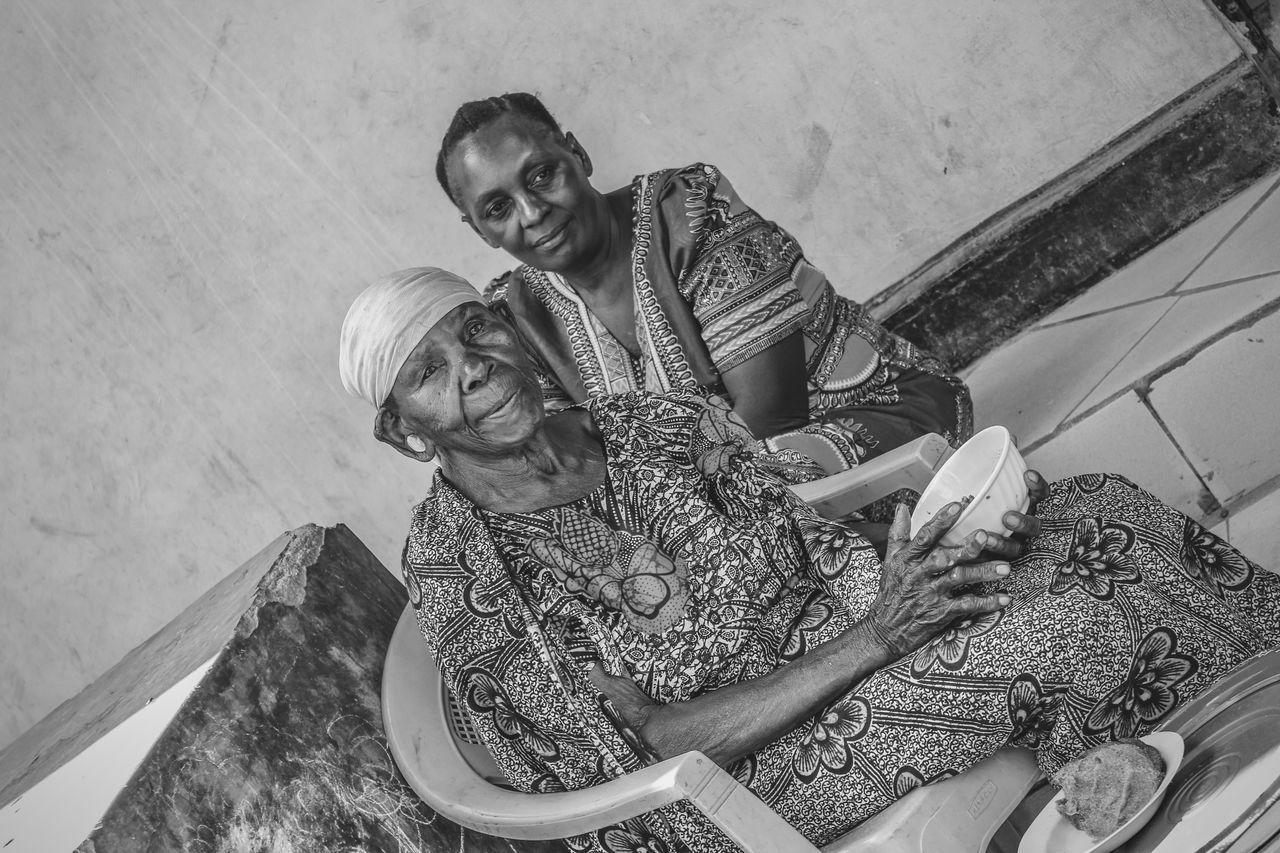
[742, 718]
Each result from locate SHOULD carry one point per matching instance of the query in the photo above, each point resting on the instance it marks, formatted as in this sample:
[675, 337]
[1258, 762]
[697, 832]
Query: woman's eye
[474, 328]
[428, 371]
[497, 210]
[540, 177]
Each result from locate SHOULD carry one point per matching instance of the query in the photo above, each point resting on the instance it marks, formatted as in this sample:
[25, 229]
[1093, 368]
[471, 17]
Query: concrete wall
[193, 190]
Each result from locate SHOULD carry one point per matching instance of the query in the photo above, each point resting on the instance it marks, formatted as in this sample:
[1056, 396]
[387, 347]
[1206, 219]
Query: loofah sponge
[1108, 784]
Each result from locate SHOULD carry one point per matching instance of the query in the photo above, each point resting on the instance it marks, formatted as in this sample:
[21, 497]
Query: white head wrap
[388, 320]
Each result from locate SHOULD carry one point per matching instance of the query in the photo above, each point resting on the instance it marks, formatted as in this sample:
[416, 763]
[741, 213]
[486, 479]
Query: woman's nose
[530, 208]
[475, 372]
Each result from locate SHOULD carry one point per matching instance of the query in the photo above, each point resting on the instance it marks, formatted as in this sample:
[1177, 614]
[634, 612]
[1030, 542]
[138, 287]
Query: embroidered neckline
[670, 367]
[669, 362]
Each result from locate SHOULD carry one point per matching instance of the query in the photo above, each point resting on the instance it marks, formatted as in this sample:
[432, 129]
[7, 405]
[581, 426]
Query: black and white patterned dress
[690, 569]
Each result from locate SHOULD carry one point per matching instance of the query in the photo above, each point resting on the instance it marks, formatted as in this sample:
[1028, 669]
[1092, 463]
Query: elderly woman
[674, 282]
[620, 582]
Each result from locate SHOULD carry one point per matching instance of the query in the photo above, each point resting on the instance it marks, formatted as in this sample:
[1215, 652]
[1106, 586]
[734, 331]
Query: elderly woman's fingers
[933, 530]
[1019, 527]
[920, 597]
[1037, 488]
[943, 557]
[1003, 546]
[628, 699]
[971, 573]
[967, 605]
[899, 532]
[1021, 524]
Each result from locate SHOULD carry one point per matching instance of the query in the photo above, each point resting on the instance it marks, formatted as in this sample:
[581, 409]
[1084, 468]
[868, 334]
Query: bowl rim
[1006, 444]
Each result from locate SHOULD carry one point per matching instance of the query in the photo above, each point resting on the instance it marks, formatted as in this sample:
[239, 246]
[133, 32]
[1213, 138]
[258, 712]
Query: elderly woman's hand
[924, 586]
[1021, 526]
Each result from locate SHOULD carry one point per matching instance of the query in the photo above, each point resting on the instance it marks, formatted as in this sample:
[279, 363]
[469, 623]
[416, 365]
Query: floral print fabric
[1122, 609]
[690, 568]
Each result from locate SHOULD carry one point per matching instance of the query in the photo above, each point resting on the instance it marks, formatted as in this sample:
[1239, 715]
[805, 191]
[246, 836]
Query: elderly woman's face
[468, 386]
[529, 193]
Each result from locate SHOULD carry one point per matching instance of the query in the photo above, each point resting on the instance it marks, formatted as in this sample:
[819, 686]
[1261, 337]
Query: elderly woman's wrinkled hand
[925, 586]
[1021, 526]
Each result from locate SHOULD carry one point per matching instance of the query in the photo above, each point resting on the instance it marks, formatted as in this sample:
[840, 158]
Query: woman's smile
[553, 239]
[503, 408]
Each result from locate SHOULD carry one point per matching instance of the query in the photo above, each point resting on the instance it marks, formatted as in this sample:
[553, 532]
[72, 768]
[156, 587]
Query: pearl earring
[416, 444]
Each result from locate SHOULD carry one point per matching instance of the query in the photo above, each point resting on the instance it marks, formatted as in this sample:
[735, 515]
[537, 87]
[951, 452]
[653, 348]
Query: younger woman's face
[528, 192]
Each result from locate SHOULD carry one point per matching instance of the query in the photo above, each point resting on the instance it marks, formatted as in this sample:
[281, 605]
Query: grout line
[1101, 311]
[1171, 294]
[1159, 372]
[1234, 228]
[1186, 355]
[1253, 208]
[1259, 492]
[1112, 369]
[1244, 279]
[1143, 393]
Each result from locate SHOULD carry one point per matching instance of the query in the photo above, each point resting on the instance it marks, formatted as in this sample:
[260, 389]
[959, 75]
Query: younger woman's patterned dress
[689, 569]
[715, 285]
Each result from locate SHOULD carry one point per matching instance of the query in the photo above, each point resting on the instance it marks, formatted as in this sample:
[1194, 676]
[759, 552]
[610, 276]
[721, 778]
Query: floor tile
[1253, 248]
[1123, 438]
[1192, 319]
[1255, 530]
[1031, 383]
[1161, 269]
[1221, 409]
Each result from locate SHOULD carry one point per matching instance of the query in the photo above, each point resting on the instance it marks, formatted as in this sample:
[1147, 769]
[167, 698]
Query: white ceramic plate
[1053, 833]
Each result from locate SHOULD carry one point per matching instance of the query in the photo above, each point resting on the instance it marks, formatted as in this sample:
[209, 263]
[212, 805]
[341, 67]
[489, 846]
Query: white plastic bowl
[986, 466]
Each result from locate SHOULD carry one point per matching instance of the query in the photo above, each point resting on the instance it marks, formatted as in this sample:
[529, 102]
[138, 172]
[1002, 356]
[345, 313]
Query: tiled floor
[1168, 371]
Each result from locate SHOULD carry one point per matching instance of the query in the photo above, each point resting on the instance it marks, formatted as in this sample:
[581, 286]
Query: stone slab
[197, 634]
[1191, 323]
[1250, 250]
[281, 746]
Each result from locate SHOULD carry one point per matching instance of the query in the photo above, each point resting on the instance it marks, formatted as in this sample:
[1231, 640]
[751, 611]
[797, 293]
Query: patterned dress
[715, 285]
[690, 568]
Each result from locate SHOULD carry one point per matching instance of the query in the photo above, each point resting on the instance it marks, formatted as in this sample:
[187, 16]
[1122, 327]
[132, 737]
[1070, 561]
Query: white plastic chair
[436, 747]
[910, 466]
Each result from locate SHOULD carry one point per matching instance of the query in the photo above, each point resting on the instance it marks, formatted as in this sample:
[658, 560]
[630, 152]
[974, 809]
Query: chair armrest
[960, 813]
[742, 816]
[415, 717]
[910, 466]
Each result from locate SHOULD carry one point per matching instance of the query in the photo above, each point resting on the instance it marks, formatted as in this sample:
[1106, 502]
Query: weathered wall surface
[191, 192]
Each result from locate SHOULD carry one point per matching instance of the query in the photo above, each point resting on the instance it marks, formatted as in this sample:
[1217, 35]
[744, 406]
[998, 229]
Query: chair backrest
[461, 728]
[419, 716]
